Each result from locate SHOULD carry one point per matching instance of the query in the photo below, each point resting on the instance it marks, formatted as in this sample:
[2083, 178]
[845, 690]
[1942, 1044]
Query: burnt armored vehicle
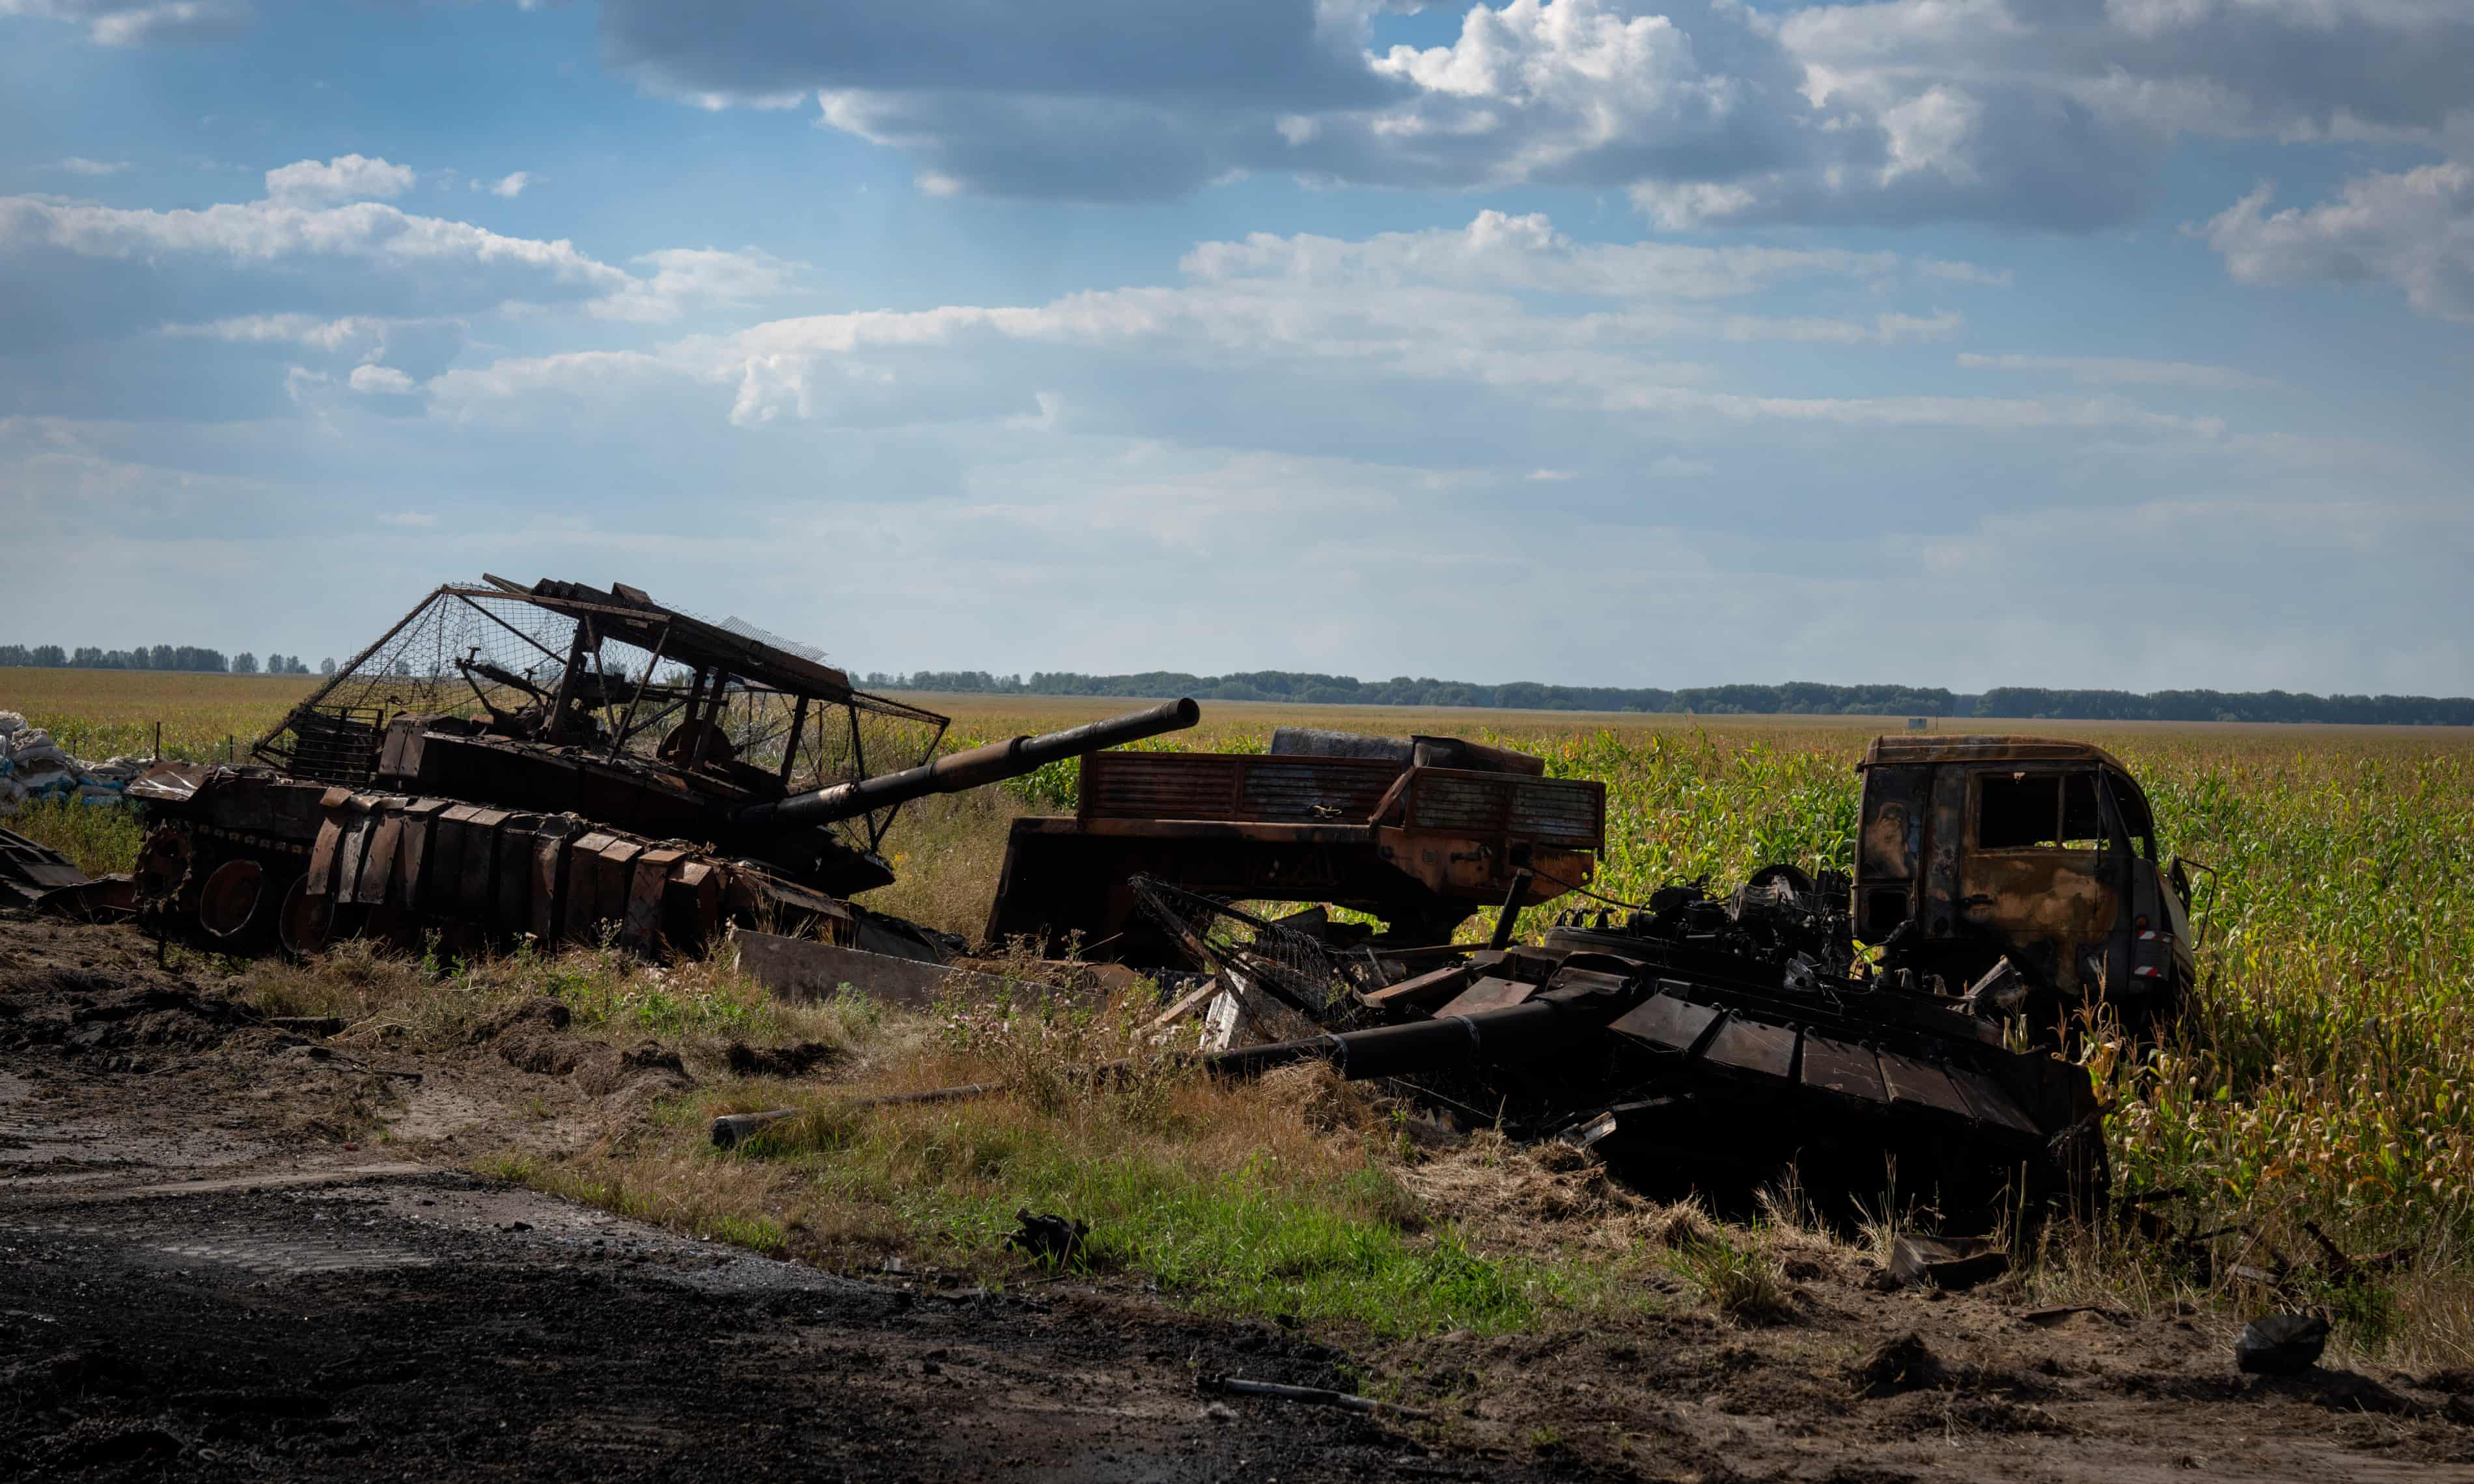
[1708, 1042]
[2025, 871]
[574, 763]
[1419, 831]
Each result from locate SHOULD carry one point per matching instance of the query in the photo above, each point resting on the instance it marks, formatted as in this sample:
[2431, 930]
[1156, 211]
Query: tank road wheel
[229, 899]
[163, 864]
[304, 922]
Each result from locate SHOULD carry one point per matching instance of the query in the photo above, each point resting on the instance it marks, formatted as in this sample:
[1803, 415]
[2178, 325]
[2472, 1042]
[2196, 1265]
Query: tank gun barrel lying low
[951, 775]
[1581, 1004]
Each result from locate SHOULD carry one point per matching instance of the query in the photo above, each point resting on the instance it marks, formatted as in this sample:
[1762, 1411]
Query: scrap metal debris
[1050, 1238]
[1950, 1263]
[1320, 1396]
[2281, 1344]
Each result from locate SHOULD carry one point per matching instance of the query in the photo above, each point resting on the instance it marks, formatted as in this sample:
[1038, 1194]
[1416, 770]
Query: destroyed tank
[570, 764]
[1712, 1043]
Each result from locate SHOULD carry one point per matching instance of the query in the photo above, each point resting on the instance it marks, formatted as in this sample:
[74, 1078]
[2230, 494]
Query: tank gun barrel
[949, 775]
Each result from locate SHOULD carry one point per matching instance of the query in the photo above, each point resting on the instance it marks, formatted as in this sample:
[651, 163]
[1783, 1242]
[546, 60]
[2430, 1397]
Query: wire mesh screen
[500, 659]
[1292, 967]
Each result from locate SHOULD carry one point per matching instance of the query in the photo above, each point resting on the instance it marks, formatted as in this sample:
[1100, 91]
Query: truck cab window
[2135, 816]
[2017, 811]
[2082, 823]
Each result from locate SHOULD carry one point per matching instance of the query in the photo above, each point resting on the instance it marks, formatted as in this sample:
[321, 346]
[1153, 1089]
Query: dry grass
[698, 1008]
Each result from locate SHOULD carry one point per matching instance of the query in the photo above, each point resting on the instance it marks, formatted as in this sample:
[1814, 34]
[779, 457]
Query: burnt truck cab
[1974, 849]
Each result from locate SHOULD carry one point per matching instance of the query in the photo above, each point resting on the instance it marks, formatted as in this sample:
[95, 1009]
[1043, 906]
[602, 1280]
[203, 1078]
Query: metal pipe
[1507, 921]
[1010, 758]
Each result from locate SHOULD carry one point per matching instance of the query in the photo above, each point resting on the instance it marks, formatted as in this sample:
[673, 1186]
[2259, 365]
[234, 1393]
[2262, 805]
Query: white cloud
[691, 279]
[1453, 312]
[269, 231]
[301, 329]
[507, 187]
[136, 23]
[79, 166]
[346, 178]
[1496, 250]
[2412, 231]
[381, 380]
[2121, 370]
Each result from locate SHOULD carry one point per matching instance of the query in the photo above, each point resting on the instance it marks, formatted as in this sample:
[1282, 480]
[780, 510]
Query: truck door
[1890, 849]
[2037, 878]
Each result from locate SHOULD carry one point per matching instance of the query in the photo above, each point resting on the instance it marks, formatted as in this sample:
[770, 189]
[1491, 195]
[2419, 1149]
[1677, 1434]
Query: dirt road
[208, 1270]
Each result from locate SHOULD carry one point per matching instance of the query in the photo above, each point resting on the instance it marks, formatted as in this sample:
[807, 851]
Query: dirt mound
[797, 1061]
[534, 1037]
[1899, 1364]
[122, 1029]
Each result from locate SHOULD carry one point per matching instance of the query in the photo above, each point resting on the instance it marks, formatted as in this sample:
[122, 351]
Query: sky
[1966, 343]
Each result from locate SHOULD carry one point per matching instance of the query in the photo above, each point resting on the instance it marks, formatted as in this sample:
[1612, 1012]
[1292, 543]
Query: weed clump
[1740, 1280]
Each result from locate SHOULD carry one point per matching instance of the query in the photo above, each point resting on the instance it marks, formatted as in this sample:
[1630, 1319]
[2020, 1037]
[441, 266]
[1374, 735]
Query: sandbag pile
[35, 768]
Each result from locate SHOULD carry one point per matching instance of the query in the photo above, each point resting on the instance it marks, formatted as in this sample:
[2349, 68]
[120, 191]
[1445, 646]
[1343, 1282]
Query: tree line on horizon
[188, 658]
[1797, 698]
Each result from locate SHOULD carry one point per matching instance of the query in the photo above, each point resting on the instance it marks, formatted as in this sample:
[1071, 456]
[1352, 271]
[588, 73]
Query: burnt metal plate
[1849, 1071]
[1918, 1083]
[1753, 1046]
[1489, 993]
[1665, 1022]
[1988, 1102]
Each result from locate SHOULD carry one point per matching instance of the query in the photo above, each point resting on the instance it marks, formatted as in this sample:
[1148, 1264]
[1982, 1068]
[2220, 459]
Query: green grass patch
[98, 841]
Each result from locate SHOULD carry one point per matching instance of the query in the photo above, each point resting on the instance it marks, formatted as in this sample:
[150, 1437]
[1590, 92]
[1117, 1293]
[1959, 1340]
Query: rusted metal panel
[692, 904]
[614, 874]
[1159, 785]
[1236, 786]
[378, 862]
[446, 868]
[358, 827]
[583, 885]
[509, 909]
[1568, 812]
[1435, 987]
[800, 968]
[476, 894]
[322, 857]
[420, 829]
[549, 877]
[652, 878]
